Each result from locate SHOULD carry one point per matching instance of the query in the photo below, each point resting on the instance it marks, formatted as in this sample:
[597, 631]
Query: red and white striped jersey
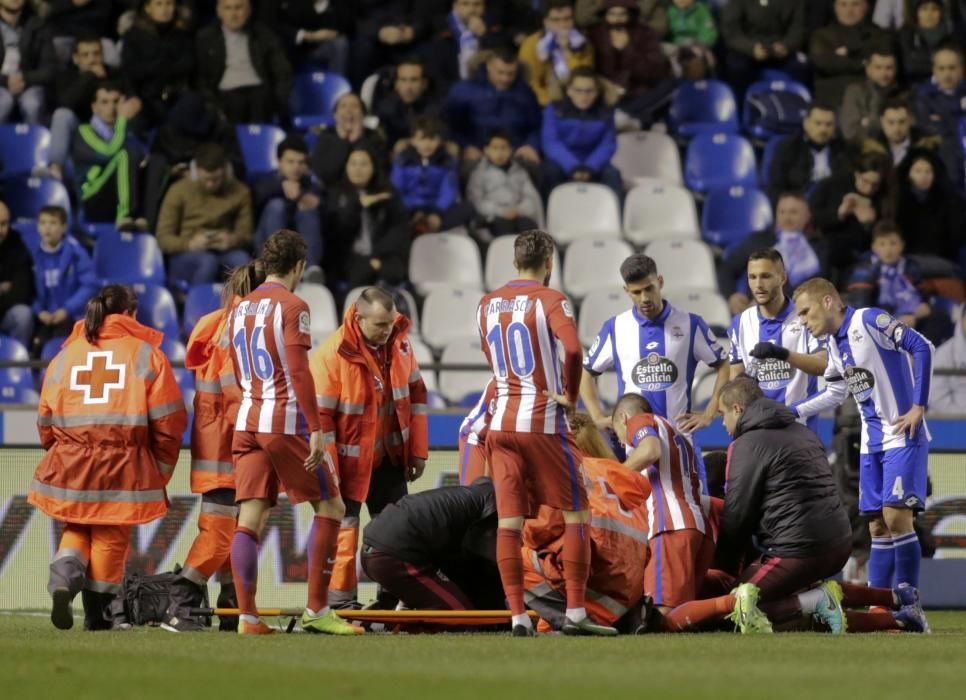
[265, 326]
[474, 427]
[675, 500]
[520, 326]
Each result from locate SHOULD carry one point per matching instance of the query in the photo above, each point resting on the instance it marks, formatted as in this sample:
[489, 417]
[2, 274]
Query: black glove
[764, 351]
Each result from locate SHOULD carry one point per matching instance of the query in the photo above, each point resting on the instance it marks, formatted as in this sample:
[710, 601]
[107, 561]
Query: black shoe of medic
[174, 622]
[587, 627]
[523, 631]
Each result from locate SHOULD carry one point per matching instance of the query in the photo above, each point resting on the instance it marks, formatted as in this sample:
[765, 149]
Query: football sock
[810, 600]
[323, 542]
[882, 562]
[855, 596]
[250, 619]
[875, 621]
[523, 620]
[244, 568]
[576, 564]
[908, 554]
[510, 563]
[692, 616]
[576, 614]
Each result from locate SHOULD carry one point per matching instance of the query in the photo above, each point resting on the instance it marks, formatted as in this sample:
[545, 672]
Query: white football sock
[576, 614]
[523, 619]
[250, 619]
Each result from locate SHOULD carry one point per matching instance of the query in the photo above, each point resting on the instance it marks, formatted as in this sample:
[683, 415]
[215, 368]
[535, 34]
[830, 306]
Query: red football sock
[510, 562]
[693, 616]
[857, 596]
[576, 562]
[870, 621]
[323, 541]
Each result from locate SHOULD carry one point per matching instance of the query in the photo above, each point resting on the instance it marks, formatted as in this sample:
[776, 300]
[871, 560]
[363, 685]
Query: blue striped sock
[908, 555]
[882, 563]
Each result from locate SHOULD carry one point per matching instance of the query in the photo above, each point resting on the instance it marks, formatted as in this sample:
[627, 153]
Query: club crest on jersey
[857, 336]
[654, 373]
[773, 374]
[860, 382]
[404, 347]
[567, 309]
[304, 323]
[676, 332]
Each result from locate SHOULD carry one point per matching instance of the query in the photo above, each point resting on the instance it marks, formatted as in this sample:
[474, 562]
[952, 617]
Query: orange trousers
[211, 549]
[102, 548]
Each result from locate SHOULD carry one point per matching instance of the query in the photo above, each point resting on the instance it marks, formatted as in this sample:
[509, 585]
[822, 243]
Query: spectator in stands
[925, 32]
[27, 63]
[386, 31]
[426, 177]
[107, 159]
[157, 58]
[501, 191]
[315, 34]
[651, 13]
[550, 55]
[941, 103]
[243, 64]
[838, 49]
[291, 199]
[579, 138]
[948, 392]
[694, 32]
[859, 115]
[847, 205]
[495, 97]
[63, 275]
[802, 160]
[367, 229]
[761, 35]
[410, 98]
[457, 52]
[929, 210]
[16, 282]
[74, 18]
[792, 236]
[897, 134]
[629, 55]
[205, 223]
[334, 142]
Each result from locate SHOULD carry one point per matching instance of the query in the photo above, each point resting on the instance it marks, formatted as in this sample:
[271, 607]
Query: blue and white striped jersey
[656, 359]
[886, 366]
[777, 378]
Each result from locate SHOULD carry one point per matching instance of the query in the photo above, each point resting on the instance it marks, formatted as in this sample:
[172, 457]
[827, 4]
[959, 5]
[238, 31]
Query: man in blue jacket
[939, 107]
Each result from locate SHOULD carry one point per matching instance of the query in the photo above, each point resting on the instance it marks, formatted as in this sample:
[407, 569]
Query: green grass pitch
[39, 662]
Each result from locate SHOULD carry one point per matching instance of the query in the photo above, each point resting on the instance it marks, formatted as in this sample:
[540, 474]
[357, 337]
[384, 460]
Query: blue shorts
[893, 479]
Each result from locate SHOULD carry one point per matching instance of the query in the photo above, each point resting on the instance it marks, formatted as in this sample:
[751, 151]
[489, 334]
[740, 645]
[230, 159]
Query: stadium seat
[411, 310]
[499, 264]
[702, 106]
[367, 92]
[583, 210]
[175, 351]
[424, 356]
[445, 260]
[702, 388]
[22, 147]
[314, 96]
[750, 116]
[684, 265]
[593, 264]
[14, 377]
[28, 233]
[607, 388]
[710, 306]
[647, 154]
[50, 349]
[19, 395]
[323, 315]
[156, 308]
[94, 230]
[767, 155]
[129, 258]
[655, 209]
[457, 386]
[719, 160]
[731, 214]
[258, 143]
[598, 306]
[449, 313]
[201, 299]
[26, 196]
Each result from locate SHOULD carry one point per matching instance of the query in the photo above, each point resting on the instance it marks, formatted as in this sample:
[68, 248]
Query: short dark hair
[292, 142]
[767, 254]
[211, 157]
[894, 102]
[742, 390]
[377, 295]
[410, 61]
[283, 250]
[429, 126]
[546, 6]
[793, 194]
[53, 210]
[820, 105]
[886, 51]
[637, 267]
[885, 228]
[949, 46]
[86, 38]
[632, 404]
[583, 72]
[532, 248]
[504, 53]
[107, 86]
[362, 104]
[872, 161]
[502, 134]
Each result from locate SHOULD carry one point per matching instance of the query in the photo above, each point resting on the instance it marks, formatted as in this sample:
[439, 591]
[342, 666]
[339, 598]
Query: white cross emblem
[98, 377]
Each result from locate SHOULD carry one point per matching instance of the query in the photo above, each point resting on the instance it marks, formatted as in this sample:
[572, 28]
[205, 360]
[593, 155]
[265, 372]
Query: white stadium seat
[324, 318]
[607, 388]
[710, 306]
[647, 154]
[597, 307]
[655, 209]
[499, 264]
[445, 260]
[410, 301]
[702, 388]
[592, 263]
[684, 264]
[450, 314]
[455, 384]
[583, 210]
[424, 356]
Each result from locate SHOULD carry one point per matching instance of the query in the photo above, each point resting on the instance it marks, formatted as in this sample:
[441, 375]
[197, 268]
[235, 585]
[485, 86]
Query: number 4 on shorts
[897, 488]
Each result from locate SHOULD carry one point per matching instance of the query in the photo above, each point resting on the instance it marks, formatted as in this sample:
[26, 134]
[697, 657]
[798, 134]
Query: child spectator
[426, 177]
[290, 199]
[579, 137]
[694, 32]
[64, 277]
[501, 191]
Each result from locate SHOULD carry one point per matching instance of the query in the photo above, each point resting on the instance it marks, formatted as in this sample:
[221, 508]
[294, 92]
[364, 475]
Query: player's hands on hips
[765, 351]
[316, 451]
[911, 420]
[416, 467]
[689, 422]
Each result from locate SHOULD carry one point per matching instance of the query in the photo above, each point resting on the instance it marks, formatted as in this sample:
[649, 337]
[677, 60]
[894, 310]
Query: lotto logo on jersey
[774, 374]
[654, 373]
[860, 382]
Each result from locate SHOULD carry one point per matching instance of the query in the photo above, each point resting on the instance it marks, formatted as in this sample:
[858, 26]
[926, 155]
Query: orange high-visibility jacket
[217, 397]
[618, 532]
[111, 419]
[350, 391]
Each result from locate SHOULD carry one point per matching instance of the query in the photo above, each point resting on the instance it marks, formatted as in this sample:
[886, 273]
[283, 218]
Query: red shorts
[472, 462]
[676, 566]
[265, 460]
[535, 468]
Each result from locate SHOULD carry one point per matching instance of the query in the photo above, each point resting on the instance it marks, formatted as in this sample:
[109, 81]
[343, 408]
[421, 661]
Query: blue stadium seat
[28, 233]
[766, 157]
[703, 106]
[314, 96]
[26, 196]
[14, 378]
[50, 349]
[23, 146]
[156, 309]
[19, 395]
[729, 215]
[201, 299]
[258, 143]
[95, 230]
[128, 257]
[750, 116]
[719, 160]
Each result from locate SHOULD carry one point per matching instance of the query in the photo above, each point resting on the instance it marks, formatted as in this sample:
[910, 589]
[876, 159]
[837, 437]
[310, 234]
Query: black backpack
[144, 599]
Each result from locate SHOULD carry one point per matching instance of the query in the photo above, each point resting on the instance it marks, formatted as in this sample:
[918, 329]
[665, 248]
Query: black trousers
[388, 485]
